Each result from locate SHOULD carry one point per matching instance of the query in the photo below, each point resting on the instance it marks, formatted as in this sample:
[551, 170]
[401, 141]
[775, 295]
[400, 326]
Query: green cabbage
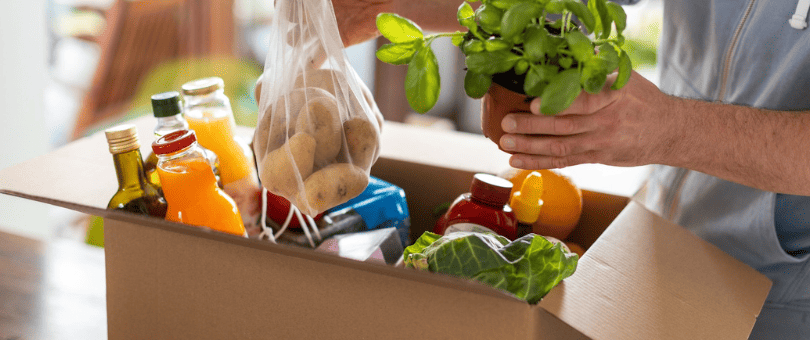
[527, 267]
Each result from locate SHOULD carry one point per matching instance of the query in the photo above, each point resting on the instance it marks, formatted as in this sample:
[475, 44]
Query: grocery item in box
[208, 112]
[381, 205]
[190, 186]
[317, 135]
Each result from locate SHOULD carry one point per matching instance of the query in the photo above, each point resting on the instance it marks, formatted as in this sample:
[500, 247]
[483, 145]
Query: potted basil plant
[517, 45]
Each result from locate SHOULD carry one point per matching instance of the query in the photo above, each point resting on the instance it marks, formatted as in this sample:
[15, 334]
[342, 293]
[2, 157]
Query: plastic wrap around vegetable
[528, 267]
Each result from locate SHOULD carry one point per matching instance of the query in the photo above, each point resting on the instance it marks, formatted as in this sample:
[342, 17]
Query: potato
[372, 104]
[270, 131]
[320, 119]
[279, 175]
[327, 79]
[333, 185]
[321, 78]
[362, 141]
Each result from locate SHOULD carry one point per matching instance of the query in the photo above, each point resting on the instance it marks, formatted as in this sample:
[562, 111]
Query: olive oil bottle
[135, 194]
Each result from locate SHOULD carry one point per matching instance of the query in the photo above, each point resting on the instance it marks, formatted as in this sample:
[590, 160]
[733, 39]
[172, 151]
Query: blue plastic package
[381, 205]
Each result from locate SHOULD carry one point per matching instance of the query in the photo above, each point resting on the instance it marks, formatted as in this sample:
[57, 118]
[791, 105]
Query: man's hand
[625, 127]
[356, 19]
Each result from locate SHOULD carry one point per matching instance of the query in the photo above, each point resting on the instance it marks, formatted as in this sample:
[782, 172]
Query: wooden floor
[53, 290]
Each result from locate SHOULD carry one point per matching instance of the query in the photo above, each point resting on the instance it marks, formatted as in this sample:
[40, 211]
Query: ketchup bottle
[483, 209]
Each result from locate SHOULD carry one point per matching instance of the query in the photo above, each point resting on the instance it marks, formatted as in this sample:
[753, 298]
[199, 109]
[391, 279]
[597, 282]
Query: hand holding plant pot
[513, 43]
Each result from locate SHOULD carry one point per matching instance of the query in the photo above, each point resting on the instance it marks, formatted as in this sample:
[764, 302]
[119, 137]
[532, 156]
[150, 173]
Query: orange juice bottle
[208, 112]
[190, 187]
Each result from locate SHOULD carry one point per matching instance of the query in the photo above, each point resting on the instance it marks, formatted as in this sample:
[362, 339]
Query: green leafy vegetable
[581, 11]
[422, 80]
[625, 67]
[515, 38]
[489, 17]
[560, 92]
[516, 19]
[398, 29]
[466, 16]
[619, 17]
[396, 54]
[528, 267]
[491, 62]
[477, 84]
[581, 47]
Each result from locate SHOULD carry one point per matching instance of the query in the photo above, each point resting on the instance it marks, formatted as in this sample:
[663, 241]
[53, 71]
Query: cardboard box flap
[81, 173]
[665, 282]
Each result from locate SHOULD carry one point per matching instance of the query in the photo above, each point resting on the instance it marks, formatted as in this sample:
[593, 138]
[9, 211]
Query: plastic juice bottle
[168, 112]
[135, 194]
[527, 203]
[190, 186]
[208, 112]
[483, 209]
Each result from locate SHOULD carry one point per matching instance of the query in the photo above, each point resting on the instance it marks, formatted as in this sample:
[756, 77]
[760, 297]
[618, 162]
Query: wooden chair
[141, 34]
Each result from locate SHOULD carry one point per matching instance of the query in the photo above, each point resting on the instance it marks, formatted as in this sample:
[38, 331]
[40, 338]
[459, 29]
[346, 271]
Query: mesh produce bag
[319, 127]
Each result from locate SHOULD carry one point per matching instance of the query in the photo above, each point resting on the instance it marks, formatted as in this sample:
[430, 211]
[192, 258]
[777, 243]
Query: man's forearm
[432, 15]
[768, 150]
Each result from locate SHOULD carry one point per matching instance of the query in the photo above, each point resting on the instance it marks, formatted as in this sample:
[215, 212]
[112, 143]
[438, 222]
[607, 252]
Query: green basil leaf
[601, 6]
[537, 79]
[422, 82]
[566, 62]
[625, 68]
[505, 4]
[597, 17]
[593, 76]
[618, 15]
[581, 47]
[473, 46]
[535, 45]
[476, 84]
[555, 7]
[519, 16]
[561, 91]
[398, 29]
[489, 17]
[466, 16]
[457, 39]
[396, 54]
[581, 11]
[608, 53]
[497, 44]
[491, 62]
[521, 67]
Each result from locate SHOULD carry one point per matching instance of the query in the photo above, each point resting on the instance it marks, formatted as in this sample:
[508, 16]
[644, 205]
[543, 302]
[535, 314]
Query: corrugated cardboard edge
[673, 298]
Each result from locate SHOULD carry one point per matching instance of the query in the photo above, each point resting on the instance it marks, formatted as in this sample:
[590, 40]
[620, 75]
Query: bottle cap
[174, 141]
[203, 86]
[166, 104]
[491, 189]
[527, 202]
[122, 138]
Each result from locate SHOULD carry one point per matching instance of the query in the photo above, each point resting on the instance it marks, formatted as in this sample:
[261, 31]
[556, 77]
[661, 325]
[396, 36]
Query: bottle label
[469, 227]
[246, 192]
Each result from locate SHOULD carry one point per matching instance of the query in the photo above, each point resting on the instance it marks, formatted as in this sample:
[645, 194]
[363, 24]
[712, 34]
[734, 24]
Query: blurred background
[69, 68]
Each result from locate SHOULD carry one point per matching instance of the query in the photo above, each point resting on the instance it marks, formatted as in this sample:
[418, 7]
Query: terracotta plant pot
[496, 104]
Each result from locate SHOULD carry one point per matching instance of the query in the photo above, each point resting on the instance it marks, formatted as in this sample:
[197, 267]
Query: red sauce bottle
[484, 208]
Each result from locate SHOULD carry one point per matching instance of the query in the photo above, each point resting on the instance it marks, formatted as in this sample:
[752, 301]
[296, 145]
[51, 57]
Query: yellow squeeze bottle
[526, 202]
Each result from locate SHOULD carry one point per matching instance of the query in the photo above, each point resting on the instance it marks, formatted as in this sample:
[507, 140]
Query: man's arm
[640, 125]
[356, 19]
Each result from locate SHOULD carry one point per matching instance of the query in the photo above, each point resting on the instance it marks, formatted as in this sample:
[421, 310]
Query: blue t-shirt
[741, 52]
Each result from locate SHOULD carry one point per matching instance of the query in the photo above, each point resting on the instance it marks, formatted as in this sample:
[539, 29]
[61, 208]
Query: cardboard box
[641, 278]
